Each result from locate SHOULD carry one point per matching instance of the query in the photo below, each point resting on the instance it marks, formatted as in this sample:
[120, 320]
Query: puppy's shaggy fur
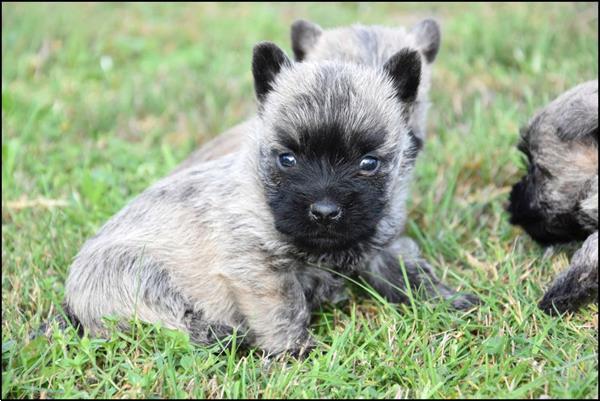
[255, 239]
[370, 46]
[557, 200]
[357, 44]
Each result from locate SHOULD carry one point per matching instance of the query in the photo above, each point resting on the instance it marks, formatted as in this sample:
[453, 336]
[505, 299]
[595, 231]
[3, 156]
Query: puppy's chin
[323, 244]
[327, 241]
[565, 229]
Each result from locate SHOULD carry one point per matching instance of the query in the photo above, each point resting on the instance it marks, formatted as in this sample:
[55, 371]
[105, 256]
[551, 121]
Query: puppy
[557, 200]
[255, 239]
[369, 46]
[358, 44]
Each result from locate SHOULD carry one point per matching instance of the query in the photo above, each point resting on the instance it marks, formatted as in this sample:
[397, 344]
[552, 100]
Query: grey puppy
[370, 46]
[357, 44]
[256, 239]
[557, 200]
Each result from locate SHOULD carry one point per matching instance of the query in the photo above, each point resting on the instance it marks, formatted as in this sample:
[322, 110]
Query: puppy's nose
[325, 211]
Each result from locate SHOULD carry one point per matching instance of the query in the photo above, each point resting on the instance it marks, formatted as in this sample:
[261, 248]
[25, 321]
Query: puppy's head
[372, 46]
[335, 149]
[557, 200]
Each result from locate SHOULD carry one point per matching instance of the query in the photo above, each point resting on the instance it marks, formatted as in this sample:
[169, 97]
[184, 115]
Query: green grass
[101, 100]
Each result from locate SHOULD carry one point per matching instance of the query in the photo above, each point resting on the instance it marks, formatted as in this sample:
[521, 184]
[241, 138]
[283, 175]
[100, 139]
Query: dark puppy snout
[325, 211]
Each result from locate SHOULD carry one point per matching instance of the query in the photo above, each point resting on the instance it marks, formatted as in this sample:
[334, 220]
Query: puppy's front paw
[299, 351]
[555, 301]
[547, 305]
[304, 349]
[574, 287]
[463, 301]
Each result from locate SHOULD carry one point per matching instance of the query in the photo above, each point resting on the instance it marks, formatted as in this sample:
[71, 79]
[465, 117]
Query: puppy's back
[571, 116]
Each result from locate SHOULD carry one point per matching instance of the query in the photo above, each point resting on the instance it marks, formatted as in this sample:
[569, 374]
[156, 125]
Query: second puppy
[557, 200]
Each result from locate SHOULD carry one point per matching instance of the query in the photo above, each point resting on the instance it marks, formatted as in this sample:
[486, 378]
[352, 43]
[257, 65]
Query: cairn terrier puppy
[255, 239]
[557, 200]
[357, 44]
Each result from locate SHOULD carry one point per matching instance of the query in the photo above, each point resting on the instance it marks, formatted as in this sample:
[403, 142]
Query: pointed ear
[304, 37]
[267, 61]
[405, 69]
[427, 33]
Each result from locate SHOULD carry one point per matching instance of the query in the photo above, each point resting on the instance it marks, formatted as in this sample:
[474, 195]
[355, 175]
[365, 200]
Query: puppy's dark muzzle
[525, 212]
[521, 203]
[325, 212]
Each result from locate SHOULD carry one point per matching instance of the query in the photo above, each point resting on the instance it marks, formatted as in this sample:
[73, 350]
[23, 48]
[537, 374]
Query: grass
[101, 100]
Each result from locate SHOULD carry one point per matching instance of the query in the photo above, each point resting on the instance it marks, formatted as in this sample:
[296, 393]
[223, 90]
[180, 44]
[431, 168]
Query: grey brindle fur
[357, 44]
[369, 46]
[557, 201]
[203, 250]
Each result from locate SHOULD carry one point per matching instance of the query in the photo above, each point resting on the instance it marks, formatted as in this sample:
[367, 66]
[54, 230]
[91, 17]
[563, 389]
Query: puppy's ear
[304, 37]
[428, 37]
[267, 62]
[405, 69]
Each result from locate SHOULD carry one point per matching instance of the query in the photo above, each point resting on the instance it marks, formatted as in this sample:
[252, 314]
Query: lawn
[101, 100]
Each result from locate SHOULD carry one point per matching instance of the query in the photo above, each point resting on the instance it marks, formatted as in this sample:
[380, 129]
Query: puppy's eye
[369, 165]
[286, 160]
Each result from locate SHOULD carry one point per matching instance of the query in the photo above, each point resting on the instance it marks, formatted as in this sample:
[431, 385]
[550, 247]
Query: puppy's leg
[205, 332]
[578, 284]
[385, 275]
[123, 283]
[275, 310]
[321, 286]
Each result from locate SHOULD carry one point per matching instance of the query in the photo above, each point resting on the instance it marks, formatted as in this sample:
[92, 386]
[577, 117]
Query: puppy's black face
[532, 208]
[330, 145]
[326, 187]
